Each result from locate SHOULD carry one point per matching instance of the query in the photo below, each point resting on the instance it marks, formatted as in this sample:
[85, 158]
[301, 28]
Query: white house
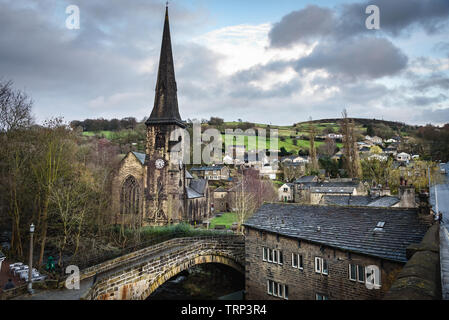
[285, 192]
[403, 157]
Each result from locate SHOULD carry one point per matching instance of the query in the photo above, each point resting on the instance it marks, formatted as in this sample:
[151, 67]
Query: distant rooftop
[346, 228]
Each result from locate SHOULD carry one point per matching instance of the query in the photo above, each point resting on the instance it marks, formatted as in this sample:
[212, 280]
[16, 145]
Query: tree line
[53, 177]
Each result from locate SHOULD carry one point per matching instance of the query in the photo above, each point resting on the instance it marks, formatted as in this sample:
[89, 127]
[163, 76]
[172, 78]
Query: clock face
[160, 163]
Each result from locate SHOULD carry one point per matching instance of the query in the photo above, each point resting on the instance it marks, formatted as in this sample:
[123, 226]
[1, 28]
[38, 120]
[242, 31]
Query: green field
[251, 143]
[226, 219]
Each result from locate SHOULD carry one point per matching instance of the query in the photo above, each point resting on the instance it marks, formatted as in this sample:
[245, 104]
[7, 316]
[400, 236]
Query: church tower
[165, 178]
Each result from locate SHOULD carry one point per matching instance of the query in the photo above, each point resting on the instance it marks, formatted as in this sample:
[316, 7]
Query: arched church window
[130, 196]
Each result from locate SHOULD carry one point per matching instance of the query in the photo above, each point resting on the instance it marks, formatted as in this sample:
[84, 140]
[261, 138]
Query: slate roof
[140, 156]
[346, 200]
[346, 228]
[386, 201]
[198, 185]
[221, 189]
[327, 189]
[305, 179]
[192, 194]
[188, 175]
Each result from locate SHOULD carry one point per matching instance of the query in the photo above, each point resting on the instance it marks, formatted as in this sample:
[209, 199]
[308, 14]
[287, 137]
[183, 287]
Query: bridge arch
[137, 275]
[202, 259]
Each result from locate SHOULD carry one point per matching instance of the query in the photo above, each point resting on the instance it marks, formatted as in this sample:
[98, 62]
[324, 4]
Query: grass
[226, 219]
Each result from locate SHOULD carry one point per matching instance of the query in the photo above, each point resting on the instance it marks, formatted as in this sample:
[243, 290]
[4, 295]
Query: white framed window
[352, 272]
[270, 255]
[297, 261]
[294, 260]
[277, 289]
[325, 268]
[361, 274]
[321, 266]
[280, 257]
[264, 254]
[275, 256]
[318, 265]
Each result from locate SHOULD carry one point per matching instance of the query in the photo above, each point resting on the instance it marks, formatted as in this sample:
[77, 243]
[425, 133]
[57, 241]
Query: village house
[286, 192]
[220, 200]
[403, 157]
[295, 159]
[375, 140]
[214, 172]
[312, 192]
[301, 252]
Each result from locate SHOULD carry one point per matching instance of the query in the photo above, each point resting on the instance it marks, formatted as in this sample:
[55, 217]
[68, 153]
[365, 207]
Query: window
[352, 272]
[130, 197]
[325, 270]
[320, 296]
[277, 289]
[272, 255]
[280, 257]
[318, 265]
[321, 266]
[294, 260]
[361, 274]
[297, 261]
[357, 273]
[285, 189]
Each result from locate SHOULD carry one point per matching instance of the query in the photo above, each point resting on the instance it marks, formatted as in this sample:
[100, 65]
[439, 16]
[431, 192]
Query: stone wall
[136, 276]
[305, 284]
[130, 166]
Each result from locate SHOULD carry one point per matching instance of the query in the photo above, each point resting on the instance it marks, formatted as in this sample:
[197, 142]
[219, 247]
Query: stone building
[312, 192]
[302, 252]
[155, 188]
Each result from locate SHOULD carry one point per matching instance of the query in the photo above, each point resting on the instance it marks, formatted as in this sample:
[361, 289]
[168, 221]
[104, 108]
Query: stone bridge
[136, 275]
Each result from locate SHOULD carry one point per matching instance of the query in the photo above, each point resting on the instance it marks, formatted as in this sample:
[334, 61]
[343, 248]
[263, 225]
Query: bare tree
[351, 153]
[313, 158]
[250, 193]
[15, 108]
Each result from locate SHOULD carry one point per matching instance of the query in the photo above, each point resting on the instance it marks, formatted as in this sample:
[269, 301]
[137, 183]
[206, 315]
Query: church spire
[165, 110]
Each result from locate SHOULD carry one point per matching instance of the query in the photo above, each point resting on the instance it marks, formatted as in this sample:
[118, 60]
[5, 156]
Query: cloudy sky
[265, 61]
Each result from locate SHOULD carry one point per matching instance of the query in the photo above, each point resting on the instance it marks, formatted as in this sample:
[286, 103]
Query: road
[441, 194]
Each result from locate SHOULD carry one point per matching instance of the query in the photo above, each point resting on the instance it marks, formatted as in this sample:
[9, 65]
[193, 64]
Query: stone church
[155, 188]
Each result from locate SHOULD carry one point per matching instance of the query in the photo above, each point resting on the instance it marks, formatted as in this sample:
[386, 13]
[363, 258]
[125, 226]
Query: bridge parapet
[137, 275]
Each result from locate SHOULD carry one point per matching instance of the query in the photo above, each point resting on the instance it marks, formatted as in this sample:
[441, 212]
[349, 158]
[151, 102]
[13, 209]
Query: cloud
[302, 26]
[397, 18]
[367, 58]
